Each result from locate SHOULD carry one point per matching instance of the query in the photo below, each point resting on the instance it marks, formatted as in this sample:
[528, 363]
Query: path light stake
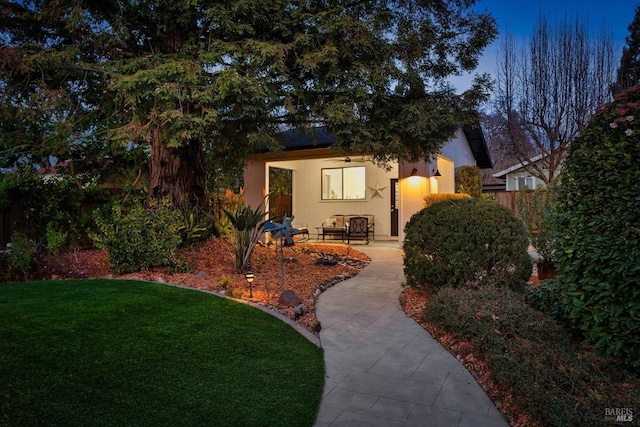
[250, 278]
[281, 266]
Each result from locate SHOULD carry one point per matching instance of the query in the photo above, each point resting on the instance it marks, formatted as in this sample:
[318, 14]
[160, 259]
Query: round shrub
[598, 222]
[466, 241]
[138, 238]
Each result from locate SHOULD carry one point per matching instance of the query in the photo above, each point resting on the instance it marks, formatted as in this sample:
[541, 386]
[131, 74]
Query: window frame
[342, 168]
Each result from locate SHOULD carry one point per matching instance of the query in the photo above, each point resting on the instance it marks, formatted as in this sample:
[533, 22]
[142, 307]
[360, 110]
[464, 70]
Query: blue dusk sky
[519, 17]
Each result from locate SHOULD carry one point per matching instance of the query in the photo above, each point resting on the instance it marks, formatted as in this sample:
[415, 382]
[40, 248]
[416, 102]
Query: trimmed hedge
[430, 199]
[466, 241]
[468, 180]
[598, 218]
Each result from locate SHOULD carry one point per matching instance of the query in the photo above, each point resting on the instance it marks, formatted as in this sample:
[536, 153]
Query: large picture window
[344, 183]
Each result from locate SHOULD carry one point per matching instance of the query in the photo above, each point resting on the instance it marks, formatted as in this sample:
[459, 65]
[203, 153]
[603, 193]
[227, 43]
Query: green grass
[110, 352]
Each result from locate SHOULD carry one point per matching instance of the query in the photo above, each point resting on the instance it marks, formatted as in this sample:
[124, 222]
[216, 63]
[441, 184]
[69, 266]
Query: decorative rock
[289, 299]
[200, 275]
[300, 309]
[160, 280]
[325, 261]
[291, 259]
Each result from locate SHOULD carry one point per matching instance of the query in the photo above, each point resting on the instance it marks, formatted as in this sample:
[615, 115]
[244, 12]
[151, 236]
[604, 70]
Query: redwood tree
[179, 78]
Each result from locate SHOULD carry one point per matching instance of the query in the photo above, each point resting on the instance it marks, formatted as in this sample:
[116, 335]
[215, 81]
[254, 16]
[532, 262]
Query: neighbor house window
[528, 182]
[343, 184]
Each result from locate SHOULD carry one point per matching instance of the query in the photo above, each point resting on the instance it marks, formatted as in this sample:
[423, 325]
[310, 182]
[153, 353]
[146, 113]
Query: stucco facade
[399, 187]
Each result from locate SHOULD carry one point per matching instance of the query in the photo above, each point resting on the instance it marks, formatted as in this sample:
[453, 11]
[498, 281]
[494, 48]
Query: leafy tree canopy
[629, 70]
[83, 78]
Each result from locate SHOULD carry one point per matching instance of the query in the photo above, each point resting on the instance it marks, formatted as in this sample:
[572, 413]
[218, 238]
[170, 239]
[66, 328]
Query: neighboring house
[491, 184]
[517, 177]
[325, 183]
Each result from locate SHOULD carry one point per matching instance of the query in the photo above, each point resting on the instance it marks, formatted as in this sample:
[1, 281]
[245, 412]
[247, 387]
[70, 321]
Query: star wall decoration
[377, 190]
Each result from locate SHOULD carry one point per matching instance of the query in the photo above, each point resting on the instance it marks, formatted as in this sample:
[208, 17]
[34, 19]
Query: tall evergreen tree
[177, 78]
[629, 70]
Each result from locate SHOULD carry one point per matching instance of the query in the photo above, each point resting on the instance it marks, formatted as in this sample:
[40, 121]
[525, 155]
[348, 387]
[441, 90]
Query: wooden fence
[506, 199]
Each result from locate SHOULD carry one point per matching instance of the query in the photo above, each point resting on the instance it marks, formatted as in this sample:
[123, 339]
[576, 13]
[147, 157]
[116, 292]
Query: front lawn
[116, 352]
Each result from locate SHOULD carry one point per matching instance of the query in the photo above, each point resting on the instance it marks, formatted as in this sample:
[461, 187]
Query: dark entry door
[395, 199]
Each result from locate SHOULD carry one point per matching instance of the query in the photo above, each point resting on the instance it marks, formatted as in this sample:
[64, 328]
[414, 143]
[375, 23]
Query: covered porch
[324, 184]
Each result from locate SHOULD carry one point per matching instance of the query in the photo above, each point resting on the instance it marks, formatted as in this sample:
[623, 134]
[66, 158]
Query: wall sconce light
[436, 173]
[249, 276]
[414, 172]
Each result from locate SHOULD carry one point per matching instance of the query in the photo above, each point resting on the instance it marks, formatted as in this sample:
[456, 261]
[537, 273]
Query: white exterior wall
[309, 208]
[512, 180]
[458, 151]
[412, 191]
[447, 180]
[255, 183]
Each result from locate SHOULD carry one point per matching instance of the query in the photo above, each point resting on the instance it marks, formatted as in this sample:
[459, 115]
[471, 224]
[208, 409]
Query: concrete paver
[382, 368]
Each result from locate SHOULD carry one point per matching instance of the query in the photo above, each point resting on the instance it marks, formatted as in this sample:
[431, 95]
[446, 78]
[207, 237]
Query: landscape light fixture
[414, 172]
[249, 276]
[436, 173]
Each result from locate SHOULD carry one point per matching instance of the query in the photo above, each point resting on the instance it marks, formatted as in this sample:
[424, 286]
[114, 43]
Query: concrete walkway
[382, 368]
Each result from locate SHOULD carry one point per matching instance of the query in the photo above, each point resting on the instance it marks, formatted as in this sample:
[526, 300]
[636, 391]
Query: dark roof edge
[320, 137]
[302, 139]
[479, 148]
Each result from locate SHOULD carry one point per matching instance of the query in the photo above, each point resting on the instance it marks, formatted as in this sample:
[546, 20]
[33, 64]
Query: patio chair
[358, 228]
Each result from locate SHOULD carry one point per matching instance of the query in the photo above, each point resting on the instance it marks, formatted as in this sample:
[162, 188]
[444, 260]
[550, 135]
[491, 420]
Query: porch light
[436, 172]
[249, 276]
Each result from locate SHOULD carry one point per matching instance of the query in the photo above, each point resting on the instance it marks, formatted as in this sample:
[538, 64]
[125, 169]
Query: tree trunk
[178, 174]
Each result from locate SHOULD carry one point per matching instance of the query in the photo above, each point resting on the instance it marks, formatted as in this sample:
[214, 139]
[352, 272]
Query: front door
[395, 199]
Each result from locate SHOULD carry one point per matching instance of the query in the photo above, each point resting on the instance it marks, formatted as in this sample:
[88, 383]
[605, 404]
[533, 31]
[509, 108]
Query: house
[518, 176]
[325, 183]
[491, 184]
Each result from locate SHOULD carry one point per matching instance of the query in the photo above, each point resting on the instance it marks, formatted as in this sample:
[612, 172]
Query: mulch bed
[413, 303]
[211, 261]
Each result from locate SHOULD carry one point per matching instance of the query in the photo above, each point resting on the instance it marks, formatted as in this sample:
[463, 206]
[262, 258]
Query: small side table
[331, 231]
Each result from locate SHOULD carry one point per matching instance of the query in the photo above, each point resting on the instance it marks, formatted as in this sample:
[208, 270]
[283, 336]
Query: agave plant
[248, 224]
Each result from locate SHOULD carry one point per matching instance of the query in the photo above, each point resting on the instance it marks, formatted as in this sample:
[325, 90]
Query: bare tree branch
[549, 87]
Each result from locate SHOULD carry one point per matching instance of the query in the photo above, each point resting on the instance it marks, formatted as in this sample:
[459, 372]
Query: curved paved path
[382, 368]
